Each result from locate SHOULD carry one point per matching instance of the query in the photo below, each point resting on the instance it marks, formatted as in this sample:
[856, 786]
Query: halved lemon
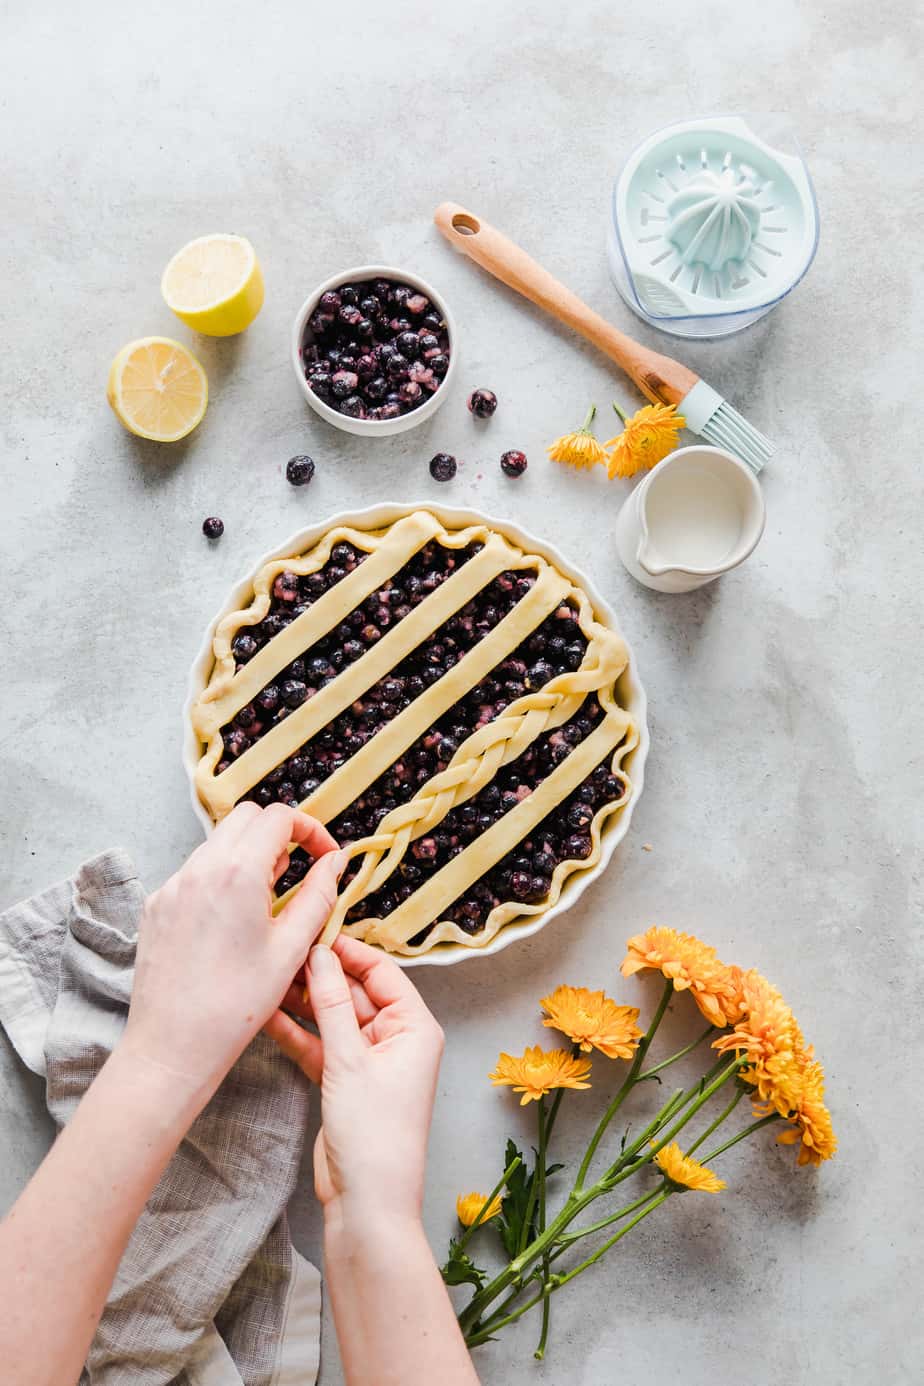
[215, 285]
[157, 389]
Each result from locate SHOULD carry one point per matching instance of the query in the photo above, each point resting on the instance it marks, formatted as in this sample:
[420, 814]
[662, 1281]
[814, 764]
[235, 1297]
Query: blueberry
[330, 302]
[371, 305]
[482, 403]
[427, 341]
[247, 716]
[398, 294]
[377, 388]
[343, 383]
[399, 325]
[294, 692]
[513, 463]
[433, 321]
[352, 649]
[213, 528]
[577, 847]
[299, 470]
[439, 364]
[366, 366]
[285, 588]
[320, 384]
[235, 741]
[262, 795]
[386, 351]
[519, 884]
[349, 316]
[268, 699]
[353, 407]
[396, 365]
[365, 328]
[411, 392]
[349, 294]
[442, 466]
[408, 343]
[579, 815]
[244, 647]
[425, 849]
[319, 322]
[539, 674]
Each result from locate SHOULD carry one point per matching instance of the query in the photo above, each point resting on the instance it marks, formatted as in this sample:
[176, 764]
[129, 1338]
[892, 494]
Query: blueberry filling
[365, 341]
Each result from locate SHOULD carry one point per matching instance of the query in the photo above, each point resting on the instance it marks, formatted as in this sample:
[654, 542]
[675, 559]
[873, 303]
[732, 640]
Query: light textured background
[782, 792]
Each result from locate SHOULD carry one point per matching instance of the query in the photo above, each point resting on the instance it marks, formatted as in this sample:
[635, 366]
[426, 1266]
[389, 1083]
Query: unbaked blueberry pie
[445, 702]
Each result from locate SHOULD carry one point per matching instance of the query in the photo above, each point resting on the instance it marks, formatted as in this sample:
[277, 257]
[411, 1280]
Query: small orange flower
[537, 1072]
[685, 1172]
[693, 967]
[591, 1020]
[646, 438]
[772, 1042]
[579, 449]
[811, 1125]
[469, 1206]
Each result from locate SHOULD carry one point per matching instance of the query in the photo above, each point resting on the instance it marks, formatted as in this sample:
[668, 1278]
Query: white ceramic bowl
[370, 428]
[629, 688]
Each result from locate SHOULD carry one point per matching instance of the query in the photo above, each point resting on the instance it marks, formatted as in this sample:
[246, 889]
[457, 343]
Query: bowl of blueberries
[374, 350]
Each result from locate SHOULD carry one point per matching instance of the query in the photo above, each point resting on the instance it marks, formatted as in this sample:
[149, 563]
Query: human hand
[376, 1061]
[212, 961]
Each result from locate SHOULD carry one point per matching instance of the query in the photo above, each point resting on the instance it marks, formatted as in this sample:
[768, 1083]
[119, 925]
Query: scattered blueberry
[482, 403]
[213, 528]
[443, 466]
[299, 470]
[513, 463]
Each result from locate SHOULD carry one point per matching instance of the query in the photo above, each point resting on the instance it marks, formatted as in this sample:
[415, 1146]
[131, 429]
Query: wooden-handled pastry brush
[659, 378]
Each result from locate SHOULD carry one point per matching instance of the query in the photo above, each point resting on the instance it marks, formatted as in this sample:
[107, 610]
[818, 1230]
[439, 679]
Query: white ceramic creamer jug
[697, 514]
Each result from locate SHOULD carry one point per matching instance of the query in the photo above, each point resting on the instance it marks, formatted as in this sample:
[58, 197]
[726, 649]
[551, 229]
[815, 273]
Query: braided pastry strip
[473, 766]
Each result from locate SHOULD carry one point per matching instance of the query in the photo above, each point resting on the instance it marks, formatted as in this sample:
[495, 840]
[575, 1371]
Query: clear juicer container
[712, 224]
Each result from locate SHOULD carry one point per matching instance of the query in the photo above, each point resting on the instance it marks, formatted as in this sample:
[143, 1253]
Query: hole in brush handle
[465, 224]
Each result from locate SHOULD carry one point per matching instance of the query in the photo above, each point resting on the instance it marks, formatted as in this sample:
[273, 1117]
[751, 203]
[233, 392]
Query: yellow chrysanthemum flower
[538, 1071]
[579, 449]
[685, 1172]
[469, 1206]
[646, 438]
[811, 1121]
[593, 1021]
[693, 967]
[772, 1042]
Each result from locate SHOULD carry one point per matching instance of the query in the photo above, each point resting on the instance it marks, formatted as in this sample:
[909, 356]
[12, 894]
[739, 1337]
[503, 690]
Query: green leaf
[460, 1269]
[515, 1202]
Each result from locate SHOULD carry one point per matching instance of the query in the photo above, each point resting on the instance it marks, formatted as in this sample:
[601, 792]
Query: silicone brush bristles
[728, 429]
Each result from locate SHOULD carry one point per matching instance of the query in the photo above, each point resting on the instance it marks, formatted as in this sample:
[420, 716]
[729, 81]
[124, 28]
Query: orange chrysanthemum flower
[686, 1173]
[579, 449]
[469, 1206]
[538, 1071]
[646, 438]
[593, 1021]
[692, 966]
[772, 1042]
[811, 1121]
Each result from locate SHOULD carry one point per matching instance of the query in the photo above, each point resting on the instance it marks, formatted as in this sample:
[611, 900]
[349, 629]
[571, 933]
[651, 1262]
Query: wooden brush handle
[659, 378]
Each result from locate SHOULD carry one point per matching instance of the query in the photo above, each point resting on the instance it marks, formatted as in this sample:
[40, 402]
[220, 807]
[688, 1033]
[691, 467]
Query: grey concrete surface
[782, 803]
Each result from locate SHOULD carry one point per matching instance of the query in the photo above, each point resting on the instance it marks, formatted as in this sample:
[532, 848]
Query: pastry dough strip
[284, 739]
[228, 691]
[447, 884]
[354, 777]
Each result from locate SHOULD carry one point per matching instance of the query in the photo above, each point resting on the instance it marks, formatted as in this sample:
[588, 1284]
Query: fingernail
[341, 861]
[321, 961]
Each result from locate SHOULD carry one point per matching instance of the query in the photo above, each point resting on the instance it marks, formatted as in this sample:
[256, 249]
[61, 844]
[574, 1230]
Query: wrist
[350, 1219]
[173, 1098]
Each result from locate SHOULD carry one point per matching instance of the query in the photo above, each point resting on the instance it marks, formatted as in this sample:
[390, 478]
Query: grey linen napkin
[210, 1291]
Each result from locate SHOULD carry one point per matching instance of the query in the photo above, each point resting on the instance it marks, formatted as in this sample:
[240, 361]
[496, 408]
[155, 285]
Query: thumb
[307, 912]
[332, 1004]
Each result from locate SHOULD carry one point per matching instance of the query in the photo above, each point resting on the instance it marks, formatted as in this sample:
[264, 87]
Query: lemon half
[215, 285]
[157, 389]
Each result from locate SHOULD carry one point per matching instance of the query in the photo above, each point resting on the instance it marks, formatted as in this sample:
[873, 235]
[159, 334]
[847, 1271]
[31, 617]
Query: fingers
[307, 912]
[382, 979]
[333, 1007]
[295, 1001]
[298, 1044]
[265, 837]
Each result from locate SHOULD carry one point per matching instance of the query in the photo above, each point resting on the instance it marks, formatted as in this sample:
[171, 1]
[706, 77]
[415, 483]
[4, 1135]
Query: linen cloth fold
[210, 1291]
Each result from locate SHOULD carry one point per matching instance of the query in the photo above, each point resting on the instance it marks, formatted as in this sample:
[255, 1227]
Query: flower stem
[620, 412]
[726, 1112]
[681, 1054]
[488, 1201]
[748, 1131]
[626, 1088]
[566, 1239]
[585, 426]
[540, 1224]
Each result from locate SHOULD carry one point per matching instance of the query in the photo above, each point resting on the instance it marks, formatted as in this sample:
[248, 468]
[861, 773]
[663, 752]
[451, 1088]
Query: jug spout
[646, 560]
